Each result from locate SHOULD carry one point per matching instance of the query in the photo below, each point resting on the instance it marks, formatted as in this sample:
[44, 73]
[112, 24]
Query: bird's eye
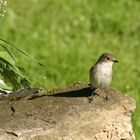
[107, 58]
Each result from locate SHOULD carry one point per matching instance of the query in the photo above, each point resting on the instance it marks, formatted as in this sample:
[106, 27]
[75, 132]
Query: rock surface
[66, 114]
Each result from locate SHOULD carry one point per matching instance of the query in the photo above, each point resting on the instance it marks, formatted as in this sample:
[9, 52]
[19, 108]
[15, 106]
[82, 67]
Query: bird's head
[108, 58]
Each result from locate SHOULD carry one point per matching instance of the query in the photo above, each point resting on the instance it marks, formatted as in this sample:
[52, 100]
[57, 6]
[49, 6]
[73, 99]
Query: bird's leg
[90, 98]
[106, 94]
[106, 97]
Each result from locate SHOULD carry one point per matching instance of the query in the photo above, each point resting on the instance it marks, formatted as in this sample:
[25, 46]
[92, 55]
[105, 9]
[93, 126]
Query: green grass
[68, 37]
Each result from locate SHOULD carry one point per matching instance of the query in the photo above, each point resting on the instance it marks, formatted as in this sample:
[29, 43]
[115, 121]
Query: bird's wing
[92, 68]
[90, 73]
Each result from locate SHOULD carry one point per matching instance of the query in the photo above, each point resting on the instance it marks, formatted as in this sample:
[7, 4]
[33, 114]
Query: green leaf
[6, 56]
[12, 56]
[12, 76]
[4, 86]
[21, 51]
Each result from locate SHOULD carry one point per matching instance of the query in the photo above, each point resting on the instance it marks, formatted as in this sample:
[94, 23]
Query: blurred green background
[69, 36]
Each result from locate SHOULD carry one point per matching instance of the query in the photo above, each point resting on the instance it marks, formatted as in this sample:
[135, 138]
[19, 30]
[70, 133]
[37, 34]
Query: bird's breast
[102, 75]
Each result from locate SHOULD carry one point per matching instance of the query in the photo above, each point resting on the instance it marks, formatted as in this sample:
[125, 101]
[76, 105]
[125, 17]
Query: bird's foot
[90, 98]
[93, 93]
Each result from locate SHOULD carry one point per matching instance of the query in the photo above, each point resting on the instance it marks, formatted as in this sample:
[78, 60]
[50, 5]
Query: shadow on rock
[83, 92]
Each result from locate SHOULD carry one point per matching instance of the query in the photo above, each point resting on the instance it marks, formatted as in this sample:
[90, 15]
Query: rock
[66, 114]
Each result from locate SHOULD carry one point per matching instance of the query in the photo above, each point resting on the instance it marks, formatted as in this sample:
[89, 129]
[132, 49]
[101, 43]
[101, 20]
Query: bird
[100, 74]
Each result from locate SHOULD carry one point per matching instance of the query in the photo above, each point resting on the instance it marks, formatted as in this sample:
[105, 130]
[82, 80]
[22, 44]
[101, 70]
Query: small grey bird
[101, 72]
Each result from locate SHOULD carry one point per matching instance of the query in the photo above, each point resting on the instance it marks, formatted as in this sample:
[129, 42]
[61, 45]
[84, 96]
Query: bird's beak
[115, 61]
